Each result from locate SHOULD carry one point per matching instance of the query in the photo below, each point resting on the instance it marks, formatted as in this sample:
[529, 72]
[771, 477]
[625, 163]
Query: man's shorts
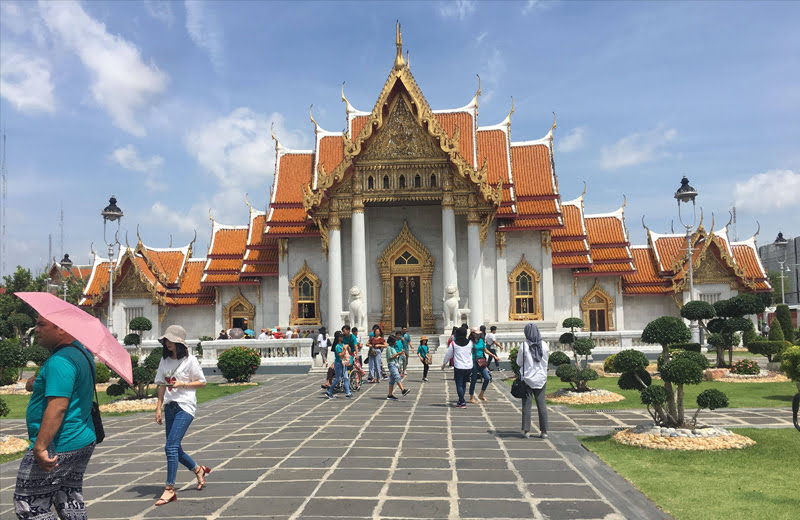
[394, 374]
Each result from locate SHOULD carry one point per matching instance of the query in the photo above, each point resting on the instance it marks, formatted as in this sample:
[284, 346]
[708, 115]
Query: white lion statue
[358, 311]
[450, 308]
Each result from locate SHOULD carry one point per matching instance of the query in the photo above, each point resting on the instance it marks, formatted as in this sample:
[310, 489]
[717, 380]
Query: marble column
[284, 295]
[501, 272]
[548, 289]
[475, 271]
[449, 268]
[619, 308]
[359, 251]
[334, 272]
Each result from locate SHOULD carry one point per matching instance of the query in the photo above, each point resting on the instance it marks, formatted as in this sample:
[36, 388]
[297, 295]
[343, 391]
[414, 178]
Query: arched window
[402, 181]
[433, 180]
[370, 183]
[417, 181]
[305, 298]
[597, 307]
[524, 282]
[385, 182]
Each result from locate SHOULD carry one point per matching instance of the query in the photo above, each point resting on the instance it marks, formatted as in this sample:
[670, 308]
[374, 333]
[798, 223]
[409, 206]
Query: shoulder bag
[99, 431]
[481, 362]
[519, 388]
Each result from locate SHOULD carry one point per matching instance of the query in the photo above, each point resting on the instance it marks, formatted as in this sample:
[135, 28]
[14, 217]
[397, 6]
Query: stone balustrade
[273, 351]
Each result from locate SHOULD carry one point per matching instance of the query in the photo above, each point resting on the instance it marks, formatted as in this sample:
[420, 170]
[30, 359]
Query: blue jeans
[177, 421]
[375, 367]
[460, 375]
[339, 372]
[482, 371]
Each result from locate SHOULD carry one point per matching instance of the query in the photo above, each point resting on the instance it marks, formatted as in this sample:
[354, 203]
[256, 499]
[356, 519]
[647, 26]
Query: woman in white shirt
[460, 351]
[322, 345]
[178, 377]
[532, 360]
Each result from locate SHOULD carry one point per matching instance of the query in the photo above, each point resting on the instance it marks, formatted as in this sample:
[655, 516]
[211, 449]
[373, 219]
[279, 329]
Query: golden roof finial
[645, 226]
[478, 93]
[550, 133]
[672, 226]
[137, 236]
[624, 203]
[170, 240]
[272, 133]
[757, 230]
[210, 217]
[584, 189]
[399, 62]
[311, 115]
[247, 202]
[192, 242]
[126, 237]
[730, 219]
[91, 249]
[408, 60]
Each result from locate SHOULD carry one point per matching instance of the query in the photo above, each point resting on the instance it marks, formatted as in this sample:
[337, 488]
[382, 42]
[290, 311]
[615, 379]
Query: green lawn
[18, 403]
[755, 482]
[741, 395]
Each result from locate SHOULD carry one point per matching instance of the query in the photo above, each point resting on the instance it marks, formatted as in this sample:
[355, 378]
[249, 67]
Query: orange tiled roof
[330, 151]
[571, 261]
[466, 126]
[532, 224]
[493, 148]
[645, 280]
[228, 241]
[608, 244]
[570, 243]
[356, 124]
[667, 249]
[168, 264]
[97, 281]
[531, 168]
[746, 257]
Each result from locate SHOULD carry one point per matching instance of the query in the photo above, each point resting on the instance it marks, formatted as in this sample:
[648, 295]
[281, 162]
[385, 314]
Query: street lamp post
[686, 194]
[782, 243]
[66, 263]
[111, 213]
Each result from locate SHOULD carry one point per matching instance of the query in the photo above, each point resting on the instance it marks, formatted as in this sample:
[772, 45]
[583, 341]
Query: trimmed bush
[712, 399]
[665, 331]
[784, 317]
[37, 354]
[682, 371]
[573, 323]
[4, 410]
[131, 339]
[587, 374]
[749, 337]
[630, 360]
[695, 357]
[776, 331]
[790, 363]
[12, 359]
[556, 358]
[608, 364]
[567, 373]
[628, 381]
[771, 349]
[9, 375]
[238, 364]
[693, 347]
[583, 346]
[654, 395]
[103, 373]
[140, 324]
[116, 389]
[698, 310]
[567, 338]
[745, 367]
[153, 359]
[512, 359]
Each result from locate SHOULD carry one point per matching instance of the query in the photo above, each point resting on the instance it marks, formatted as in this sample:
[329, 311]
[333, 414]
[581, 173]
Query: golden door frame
[406, 241]
[597, 298]
[239, 307]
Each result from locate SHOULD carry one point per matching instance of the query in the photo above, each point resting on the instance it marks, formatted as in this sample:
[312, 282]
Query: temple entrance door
[407, 302]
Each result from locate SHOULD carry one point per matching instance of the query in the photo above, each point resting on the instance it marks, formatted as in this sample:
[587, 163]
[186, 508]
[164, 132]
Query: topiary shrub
[653, 395]
[140, 324]
[693, 347]
[772, 350]
[12, 359]
[116, 389]
[103, 373]
[745, 367]
[556, 358]
[784, 317]
[37, 354]
[731, 319]
[567, 338]
[583, 347]
[567, 373]
[153, 359]
[512, 359]
[131, 339]
[630, 360]
[711, 399]
[638, 380]
[238, 364]
[573, 323]
[608, 364]
[682, 371]
[790, 363]
[4, 410]
[9, 375]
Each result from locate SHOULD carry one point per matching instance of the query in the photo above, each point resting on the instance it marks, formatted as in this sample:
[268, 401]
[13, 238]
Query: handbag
[99, 431]
[481, 362]
[519, 388]
[372, 352]
[428, 359]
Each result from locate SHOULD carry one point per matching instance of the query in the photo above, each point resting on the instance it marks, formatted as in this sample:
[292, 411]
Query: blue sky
[168, 105]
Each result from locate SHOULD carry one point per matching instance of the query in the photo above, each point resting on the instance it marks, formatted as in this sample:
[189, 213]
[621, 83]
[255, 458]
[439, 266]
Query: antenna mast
[735, 231]
[61, 223]
[3, 203]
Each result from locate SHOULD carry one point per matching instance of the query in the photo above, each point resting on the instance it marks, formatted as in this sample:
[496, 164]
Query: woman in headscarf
[532, 360]
[460, 351]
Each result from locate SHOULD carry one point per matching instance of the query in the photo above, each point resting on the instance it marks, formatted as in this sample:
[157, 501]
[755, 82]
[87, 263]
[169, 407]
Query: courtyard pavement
[283, 451]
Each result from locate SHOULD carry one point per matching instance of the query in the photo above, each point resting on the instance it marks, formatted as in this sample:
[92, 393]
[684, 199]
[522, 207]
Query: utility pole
[3, 203]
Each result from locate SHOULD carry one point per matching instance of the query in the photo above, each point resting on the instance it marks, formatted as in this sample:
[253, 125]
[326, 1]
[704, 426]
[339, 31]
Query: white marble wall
[308, 250]
[197, 320]
[120, 325]
[642, 309]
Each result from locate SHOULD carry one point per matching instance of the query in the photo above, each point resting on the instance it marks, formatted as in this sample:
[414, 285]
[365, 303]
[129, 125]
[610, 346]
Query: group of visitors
[269, 333]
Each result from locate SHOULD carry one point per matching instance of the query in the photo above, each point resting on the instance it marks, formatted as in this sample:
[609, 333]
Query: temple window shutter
[417, 181]
[525, 303]
[402, 181]
[305, 287]
[433, 180]
[370, 183]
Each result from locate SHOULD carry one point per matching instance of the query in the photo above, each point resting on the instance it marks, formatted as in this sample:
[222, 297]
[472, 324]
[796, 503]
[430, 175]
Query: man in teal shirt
[60, 428]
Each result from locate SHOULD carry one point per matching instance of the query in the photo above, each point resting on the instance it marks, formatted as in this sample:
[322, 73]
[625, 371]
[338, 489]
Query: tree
[16, 316]
[784, 316]
[775, 282]
[579, 375]
[730, 320]
[698, 310]
[139, 325]
[665, 331]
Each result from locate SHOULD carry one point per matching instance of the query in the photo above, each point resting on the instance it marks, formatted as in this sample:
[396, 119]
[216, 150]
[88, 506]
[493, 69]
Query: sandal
[201, 476]
[163, 501]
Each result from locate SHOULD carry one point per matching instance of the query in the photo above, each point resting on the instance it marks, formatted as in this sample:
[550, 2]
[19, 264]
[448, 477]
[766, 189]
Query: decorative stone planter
[682, 439]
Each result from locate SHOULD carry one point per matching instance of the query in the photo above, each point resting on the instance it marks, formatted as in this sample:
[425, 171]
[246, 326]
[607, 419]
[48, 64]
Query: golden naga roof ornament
[624, 203]
[246, 201]
[272, 133]
[672, 226]
[170, 240]
[311, 115]
[550, 133]
[645, 226]
[210, 217]
[138, 236]
[479, 92]
[757, 230]
[399, 62]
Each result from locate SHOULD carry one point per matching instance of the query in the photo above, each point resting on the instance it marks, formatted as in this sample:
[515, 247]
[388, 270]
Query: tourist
[460, 351]
[59, 426]
[178, 377]
[406, 348]
[376, 343]
[359, 347]
[323, 343]
[341, 360]
[479, 365]
[423, 353]
[492, 344]
[223, 334]
[394, 352]
[532, 359]
[263, 334]
[350, 341]
[398, 341]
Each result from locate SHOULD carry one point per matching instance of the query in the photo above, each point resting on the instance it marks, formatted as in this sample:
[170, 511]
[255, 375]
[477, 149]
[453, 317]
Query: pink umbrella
[85, 328]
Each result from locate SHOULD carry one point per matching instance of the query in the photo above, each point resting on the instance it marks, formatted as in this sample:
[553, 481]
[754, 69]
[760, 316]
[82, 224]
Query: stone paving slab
[283, 451]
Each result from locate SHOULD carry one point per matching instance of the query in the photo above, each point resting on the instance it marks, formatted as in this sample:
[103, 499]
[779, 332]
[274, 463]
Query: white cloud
[572, 141]
[167, 218]
[494, 65]
[205, 31]
[161, 10]
[128, 157]
[637, 148]
[21, 18]
[781, 188]
[121, 81]
[536, 5]
[25, 81]
[456, 8]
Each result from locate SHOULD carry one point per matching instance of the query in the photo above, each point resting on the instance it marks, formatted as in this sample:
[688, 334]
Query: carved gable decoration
[131, 285]
[711, 270]
[401, 138]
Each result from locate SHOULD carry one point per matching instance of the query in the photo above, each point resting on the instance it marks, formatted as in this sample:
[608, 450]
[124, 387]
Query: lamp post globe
[685, 194]
[111, 213]
[66, 264]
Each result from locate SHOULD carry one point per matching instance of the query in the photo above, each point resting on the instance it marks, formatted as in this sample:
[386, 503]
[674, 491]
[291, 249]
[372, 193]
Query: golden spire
[399, 62]
[311, 114]
[550, 133]
[584, 190]
[758, 230]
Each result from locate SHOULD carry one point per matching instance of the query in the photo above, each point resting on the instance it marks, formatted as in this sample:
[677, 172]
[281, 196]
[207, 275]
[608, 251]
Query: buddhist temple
[422, 217]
